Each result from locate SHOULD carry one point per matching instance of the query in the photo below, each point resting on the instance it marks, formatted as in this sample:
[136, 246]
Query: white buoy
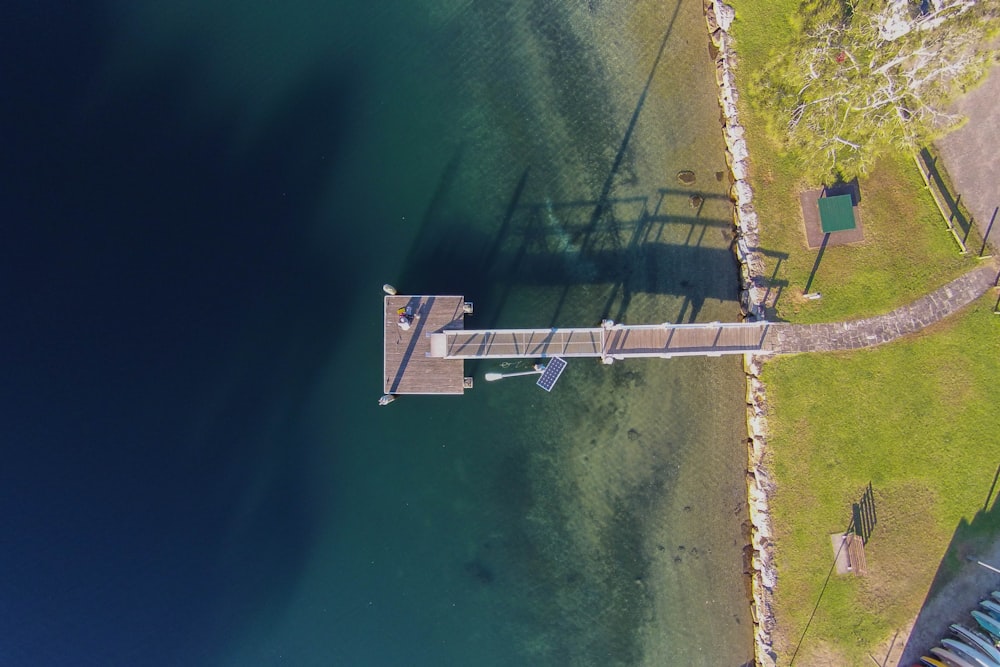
[389, 289]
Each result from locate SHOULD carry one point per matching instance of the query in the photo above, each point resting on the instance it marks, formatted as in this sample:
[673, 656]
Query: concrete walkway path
[782, 338]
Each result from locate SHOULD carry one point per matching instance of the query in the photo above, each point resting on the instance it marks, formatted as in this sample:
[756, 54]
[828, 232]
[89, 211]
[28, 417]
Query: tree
[877, 75]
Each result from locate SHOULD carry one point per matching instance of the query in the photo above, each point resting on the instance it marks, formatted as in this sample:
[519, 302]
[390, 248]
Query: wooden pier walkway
[517, 343]
[609, 342]
[426, 354]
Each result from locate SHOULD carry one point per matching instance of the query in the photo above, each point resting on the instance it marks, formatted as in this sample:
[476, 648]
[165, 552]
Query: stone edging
[752, 295]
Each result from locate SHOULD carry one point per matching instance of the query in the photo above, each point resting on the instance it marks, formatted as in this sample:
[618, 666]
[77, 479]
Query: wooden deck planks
[407, 366]
[705, 339]
[524, 343]
[856, 555]
[618, 341]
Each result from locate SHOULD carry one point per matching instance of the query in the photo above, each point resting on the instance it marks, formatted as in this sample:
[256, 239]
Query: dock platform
[408, 367]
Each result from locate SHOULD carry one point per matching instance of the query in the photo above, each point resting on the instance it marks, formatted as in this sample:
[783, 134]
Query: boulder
[741, 193]
[724, 15]
[735, 131]
[739, 170]
[686, 177]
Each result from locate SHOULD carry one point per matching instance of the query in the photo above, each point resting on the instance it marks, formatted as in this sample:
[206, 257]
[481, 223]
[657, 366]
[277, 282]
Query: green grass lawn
[907, 250]
[916, 418]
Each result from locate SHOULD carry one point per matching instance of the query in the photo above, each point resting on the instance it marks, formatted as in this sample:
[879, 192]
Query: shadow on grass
[819, 258]
[956, 216]
[861, 524]
[969, 543]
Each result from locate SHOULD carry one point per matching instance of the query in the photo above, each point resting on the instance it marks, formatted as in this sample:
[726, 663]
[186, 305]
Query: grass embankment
[914, 418]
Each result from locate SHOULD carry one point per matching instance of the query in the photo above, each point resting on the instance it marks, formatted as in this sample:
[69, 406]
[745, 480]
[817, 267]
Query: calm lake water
[201, 202]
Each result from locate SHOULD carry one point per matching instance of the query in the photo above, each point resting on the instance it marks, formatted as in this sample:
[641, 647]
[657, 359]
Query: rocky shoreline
[753, 292]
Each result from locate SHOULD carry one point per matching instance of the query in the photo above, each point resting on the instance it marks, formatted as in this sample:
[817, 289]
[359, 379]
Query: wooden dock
[609, 342]
[675, 340]
[518, 343]
[427, 354]
[408, 367]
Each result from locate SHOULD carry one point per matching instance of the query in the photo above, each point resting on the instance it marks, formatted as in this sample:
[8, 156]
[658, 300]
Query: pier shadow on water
[606, 240]
[636, 247]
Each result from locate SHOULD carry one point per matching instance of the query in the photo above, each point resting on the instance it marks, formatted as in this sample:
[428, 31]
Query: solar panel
[553, 370]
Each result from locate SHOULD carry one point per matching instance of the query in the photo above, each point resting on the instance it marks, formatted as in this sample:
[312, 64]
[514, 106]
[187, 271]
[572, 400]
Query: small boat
[389, 289]
[977, 640]
[386, 399]
[996, 595]
[992, 608]
[988, 623]
[967, 651]
[932, 662]
[951, 658]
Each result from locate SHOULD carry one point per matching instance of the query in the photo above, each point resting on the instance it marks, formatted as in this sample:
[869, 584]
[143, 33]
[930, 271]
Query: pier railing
[609, 342]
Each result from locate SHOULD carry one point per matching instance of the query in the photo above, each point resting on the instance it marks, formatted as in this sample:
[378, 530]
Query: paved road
[972, 155]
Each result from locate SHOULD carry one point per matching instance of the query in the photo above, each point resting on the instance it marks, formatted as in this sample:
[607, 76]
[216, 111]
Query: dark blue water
[200, 202]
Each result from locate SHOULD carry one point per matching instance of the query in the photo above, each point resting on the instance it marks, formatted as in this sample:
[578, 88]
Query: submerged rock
[686, 177]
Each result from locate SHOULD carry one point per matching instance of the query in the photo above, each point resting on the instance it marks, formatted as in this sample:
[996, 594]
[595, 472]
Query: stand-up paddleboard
[966, 651]
[978, 641]
[954, 660]
[992, 608]
[988, 623]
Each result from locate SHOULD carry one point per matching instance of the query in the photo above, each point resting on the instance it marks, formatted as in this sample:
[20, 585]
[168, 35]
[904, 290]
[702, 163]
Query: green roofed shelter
[836, 214]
